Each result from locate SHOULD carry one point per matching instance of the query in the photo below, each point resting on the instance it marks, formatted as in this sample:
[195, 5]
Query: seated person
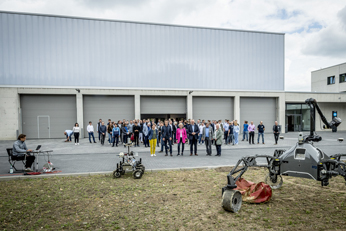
[20, 149]
[68, 134]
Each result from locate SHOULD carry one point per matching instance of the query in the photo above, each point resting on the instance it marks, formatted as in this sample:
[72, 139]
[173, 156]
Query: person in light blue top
[236, 130]
[245, 131]
[68, 134]
[208, 136]
[146, 129]
[115, 135]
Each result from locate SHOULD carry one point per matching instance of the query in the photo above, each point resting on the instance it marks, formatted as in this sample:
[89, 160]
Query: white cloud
[315, 29]
[330, 41]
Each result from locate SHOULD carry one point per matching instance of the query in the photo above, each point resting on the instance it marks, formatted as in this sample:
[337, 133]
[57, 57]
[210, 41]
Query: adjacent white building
[58, 70]
[329, 79]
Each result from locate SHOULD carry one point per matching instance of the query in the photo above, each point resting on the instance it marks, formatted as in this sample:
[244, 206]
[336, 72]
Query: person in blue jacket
[245, 131]
[115, 135]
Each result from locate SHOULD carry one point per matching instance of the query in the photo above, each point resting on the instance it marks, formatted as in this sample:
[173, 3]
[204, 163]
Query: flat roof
[315, 92]
[330, 67]
[147, 23]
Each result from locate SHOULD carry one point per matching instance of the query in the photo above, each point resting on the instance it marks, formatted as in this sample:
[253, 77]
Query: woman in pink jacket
[181, 137]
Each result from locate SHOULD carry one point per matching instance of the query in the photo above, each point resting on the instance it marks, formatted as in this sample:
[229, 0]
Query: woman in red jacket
[181, 137]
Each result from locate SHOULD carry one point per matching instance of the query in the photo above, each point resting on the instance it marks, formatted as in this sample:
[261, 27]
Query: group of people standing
[166, 133]
[170, 132]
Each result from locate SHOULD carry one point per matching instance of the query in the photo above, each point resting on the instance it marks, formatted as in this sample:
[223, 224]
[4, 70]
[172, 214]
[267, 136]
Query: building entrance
[294, 123]
[163, 117]
[297, 117]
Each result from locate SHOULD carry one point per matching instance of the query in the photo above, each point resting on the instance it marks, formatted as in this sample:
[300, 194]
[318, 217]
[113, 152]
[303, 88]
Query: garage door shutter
[47, 116]
[163, 105]
[212, 108]
[258, 109]
[107, 107]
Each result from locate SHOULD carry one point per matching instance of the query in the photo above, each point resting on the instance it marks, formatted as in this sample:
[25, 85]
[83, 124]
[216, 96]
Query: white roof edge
[329, 67]
[133, 88]
[136, 22]
[312, 92]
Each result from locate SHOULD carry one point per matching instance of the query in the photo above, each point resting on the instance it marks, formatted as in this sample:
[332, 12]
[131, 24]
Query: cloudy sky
[315, 29]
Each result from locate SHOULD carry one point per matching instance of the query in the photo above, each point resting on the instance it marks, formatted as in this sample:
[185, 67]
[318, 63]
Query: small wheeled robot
[129, 163]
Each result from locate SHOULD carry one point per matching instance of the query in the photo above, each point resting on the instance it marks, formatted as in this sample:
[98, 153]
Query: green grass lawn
[173, 200]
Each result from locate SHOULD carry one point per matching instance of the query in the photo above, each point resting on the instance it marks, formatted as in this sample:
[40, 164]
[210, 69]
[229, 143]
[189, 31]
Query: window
[331, 80]
[343, 78]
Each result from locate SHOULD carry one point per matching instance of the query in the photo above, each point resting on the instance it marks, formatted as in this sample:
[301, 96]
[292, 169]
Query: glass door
[297, 123]
[294, 123]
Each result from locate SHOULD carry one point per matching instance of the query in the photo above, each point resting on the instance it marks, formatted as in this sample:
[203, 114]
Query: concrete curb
[22, 177]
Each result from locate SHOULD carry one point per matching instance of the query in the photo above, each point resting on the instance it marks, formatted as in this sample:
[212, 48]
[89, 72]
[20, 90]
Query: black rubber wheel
[231, 200]
[116, 174]
[137, 174]
[273, 185]
[141, 166]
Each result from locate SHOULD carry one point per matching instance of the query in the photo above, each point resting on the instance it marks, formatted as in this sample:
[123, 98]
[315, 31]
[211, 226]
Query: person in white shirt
[200, 126]
[90, 130]
[76, 130]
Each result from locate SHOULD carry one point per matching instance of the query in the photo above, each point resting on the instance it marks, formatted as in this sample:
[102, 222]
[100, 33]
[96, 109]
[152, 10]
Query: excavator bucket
[252, 192]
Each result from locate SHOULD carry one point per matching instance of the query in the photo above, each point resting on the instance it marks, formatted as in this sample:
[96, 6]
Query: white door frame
[38, 125]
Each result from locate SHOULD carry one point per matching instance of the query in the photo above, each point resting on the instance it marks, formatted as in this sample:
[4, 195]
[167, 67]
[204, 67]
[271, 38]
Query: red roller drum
[254, 192]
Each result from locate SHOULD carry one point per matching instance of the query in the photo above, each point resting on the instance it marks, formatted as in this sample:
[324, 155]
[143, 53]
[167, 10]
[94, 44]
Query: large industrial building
[58, 70]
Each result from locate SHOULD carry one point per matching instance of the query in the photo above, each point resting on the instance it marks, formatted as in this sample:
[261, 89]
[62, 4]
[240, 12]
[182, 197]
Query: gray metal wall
[63, 51]
[257, 110]
[163, 105]
[61, 110]
[116, 108]
[212, 108]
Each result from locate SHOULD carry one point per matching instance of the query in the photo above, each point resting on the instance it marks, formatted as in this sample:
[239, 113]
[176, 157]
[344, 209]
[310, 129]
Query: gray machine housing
[302, 160]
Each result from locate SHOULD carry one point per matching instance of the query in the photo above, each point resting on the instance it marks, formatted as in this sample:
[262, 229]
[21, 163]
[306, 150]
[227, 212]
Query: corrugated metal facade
[258, 109]
[163, 105]
[106, 107]
[63, 51]
[213, 108]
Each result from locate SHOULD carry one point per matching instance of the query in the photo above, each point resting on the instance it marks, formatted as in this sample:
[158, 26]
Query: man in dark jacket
[136, 130]
[98, 128]
[102, 131]
[125, 133]
[167, 137]
[174, 131]
[141, 131]
[193, 132]
[230, 133]
[276, 131]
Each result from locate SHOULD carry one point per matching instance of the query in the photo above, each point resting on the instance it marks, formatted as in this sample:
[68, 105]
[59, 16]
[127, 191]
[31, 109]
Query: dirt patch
[175, 200]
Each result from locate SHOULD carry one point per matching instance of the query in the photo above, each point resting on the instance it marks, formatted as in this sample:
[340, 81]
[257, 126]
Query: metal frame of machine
[302, 160]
